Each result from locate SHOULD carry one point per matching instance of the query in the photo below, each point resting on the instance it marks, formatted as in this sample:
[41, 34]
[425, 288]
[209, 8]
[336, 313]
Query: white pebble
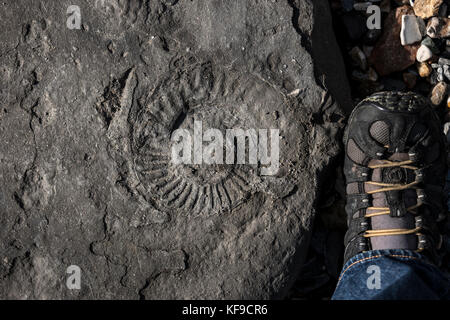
[359, 58]
[424, 54]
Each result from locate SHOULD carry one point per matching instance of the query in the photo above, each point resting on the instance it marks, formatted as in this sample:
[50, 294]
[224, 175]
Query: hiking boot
[395, 169]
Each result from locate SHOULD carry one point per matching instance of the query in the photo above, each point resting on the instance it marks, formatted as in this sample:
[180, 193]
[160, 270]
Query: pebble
[422, 26]
[424, 69]
[446, 70]
[359, 58]
[427, 8]
[432, 79]
[424, 54]
[438, 93]
[438, 27]
[367, 50]
[412, 46]
[431, 45]
[447, 124]
[440, 74]
[362, 6]
[412, 29]
[443, 61]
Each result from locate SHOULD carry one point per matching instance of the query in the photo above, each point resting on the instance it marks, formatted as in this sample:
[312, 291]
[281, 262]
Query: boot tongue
[380, 200]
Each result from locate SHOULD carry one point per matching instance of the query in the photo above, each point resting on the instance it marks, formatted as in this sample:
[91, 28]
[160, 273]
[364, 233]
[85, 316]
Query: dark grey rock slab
[85, 123]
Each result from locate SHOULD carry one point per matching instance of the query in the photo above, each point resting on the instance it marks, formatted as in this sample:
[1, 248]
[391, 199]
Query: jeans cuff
[400, 254]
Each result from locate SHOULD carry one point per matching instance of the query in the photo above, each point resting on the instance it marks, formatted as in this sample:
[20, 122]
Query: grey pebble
[446, 70]
[427, 41]
[440, 74]
[443, 61]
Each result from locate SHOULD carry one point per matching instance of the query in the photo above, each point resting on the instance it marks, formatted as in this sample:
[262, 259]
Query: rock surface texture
[86, 118]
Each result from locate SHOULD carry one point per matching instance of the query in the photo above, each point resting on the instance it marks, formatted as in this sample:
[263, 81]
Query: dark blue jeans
[391, 275]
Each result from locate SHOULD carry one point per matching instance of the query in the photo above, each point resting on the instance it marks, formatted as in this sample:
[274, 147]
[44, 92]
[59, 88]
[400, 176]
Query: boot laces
[384, 187]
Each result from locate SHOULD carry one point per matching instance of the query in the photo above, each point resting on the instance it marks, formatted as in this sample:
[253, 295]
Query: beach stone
[362, 6]
[438, 27]
[412, 29]
[438, 94]
[440, 74]
[367, 50]
[443, 61]
[446, 44]
[86, 125]
[446, 71]
[430, 43]
[427, 8]
[424, 54]
[433, 78]
[424, 69]
[388, 54]
[358, 58]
